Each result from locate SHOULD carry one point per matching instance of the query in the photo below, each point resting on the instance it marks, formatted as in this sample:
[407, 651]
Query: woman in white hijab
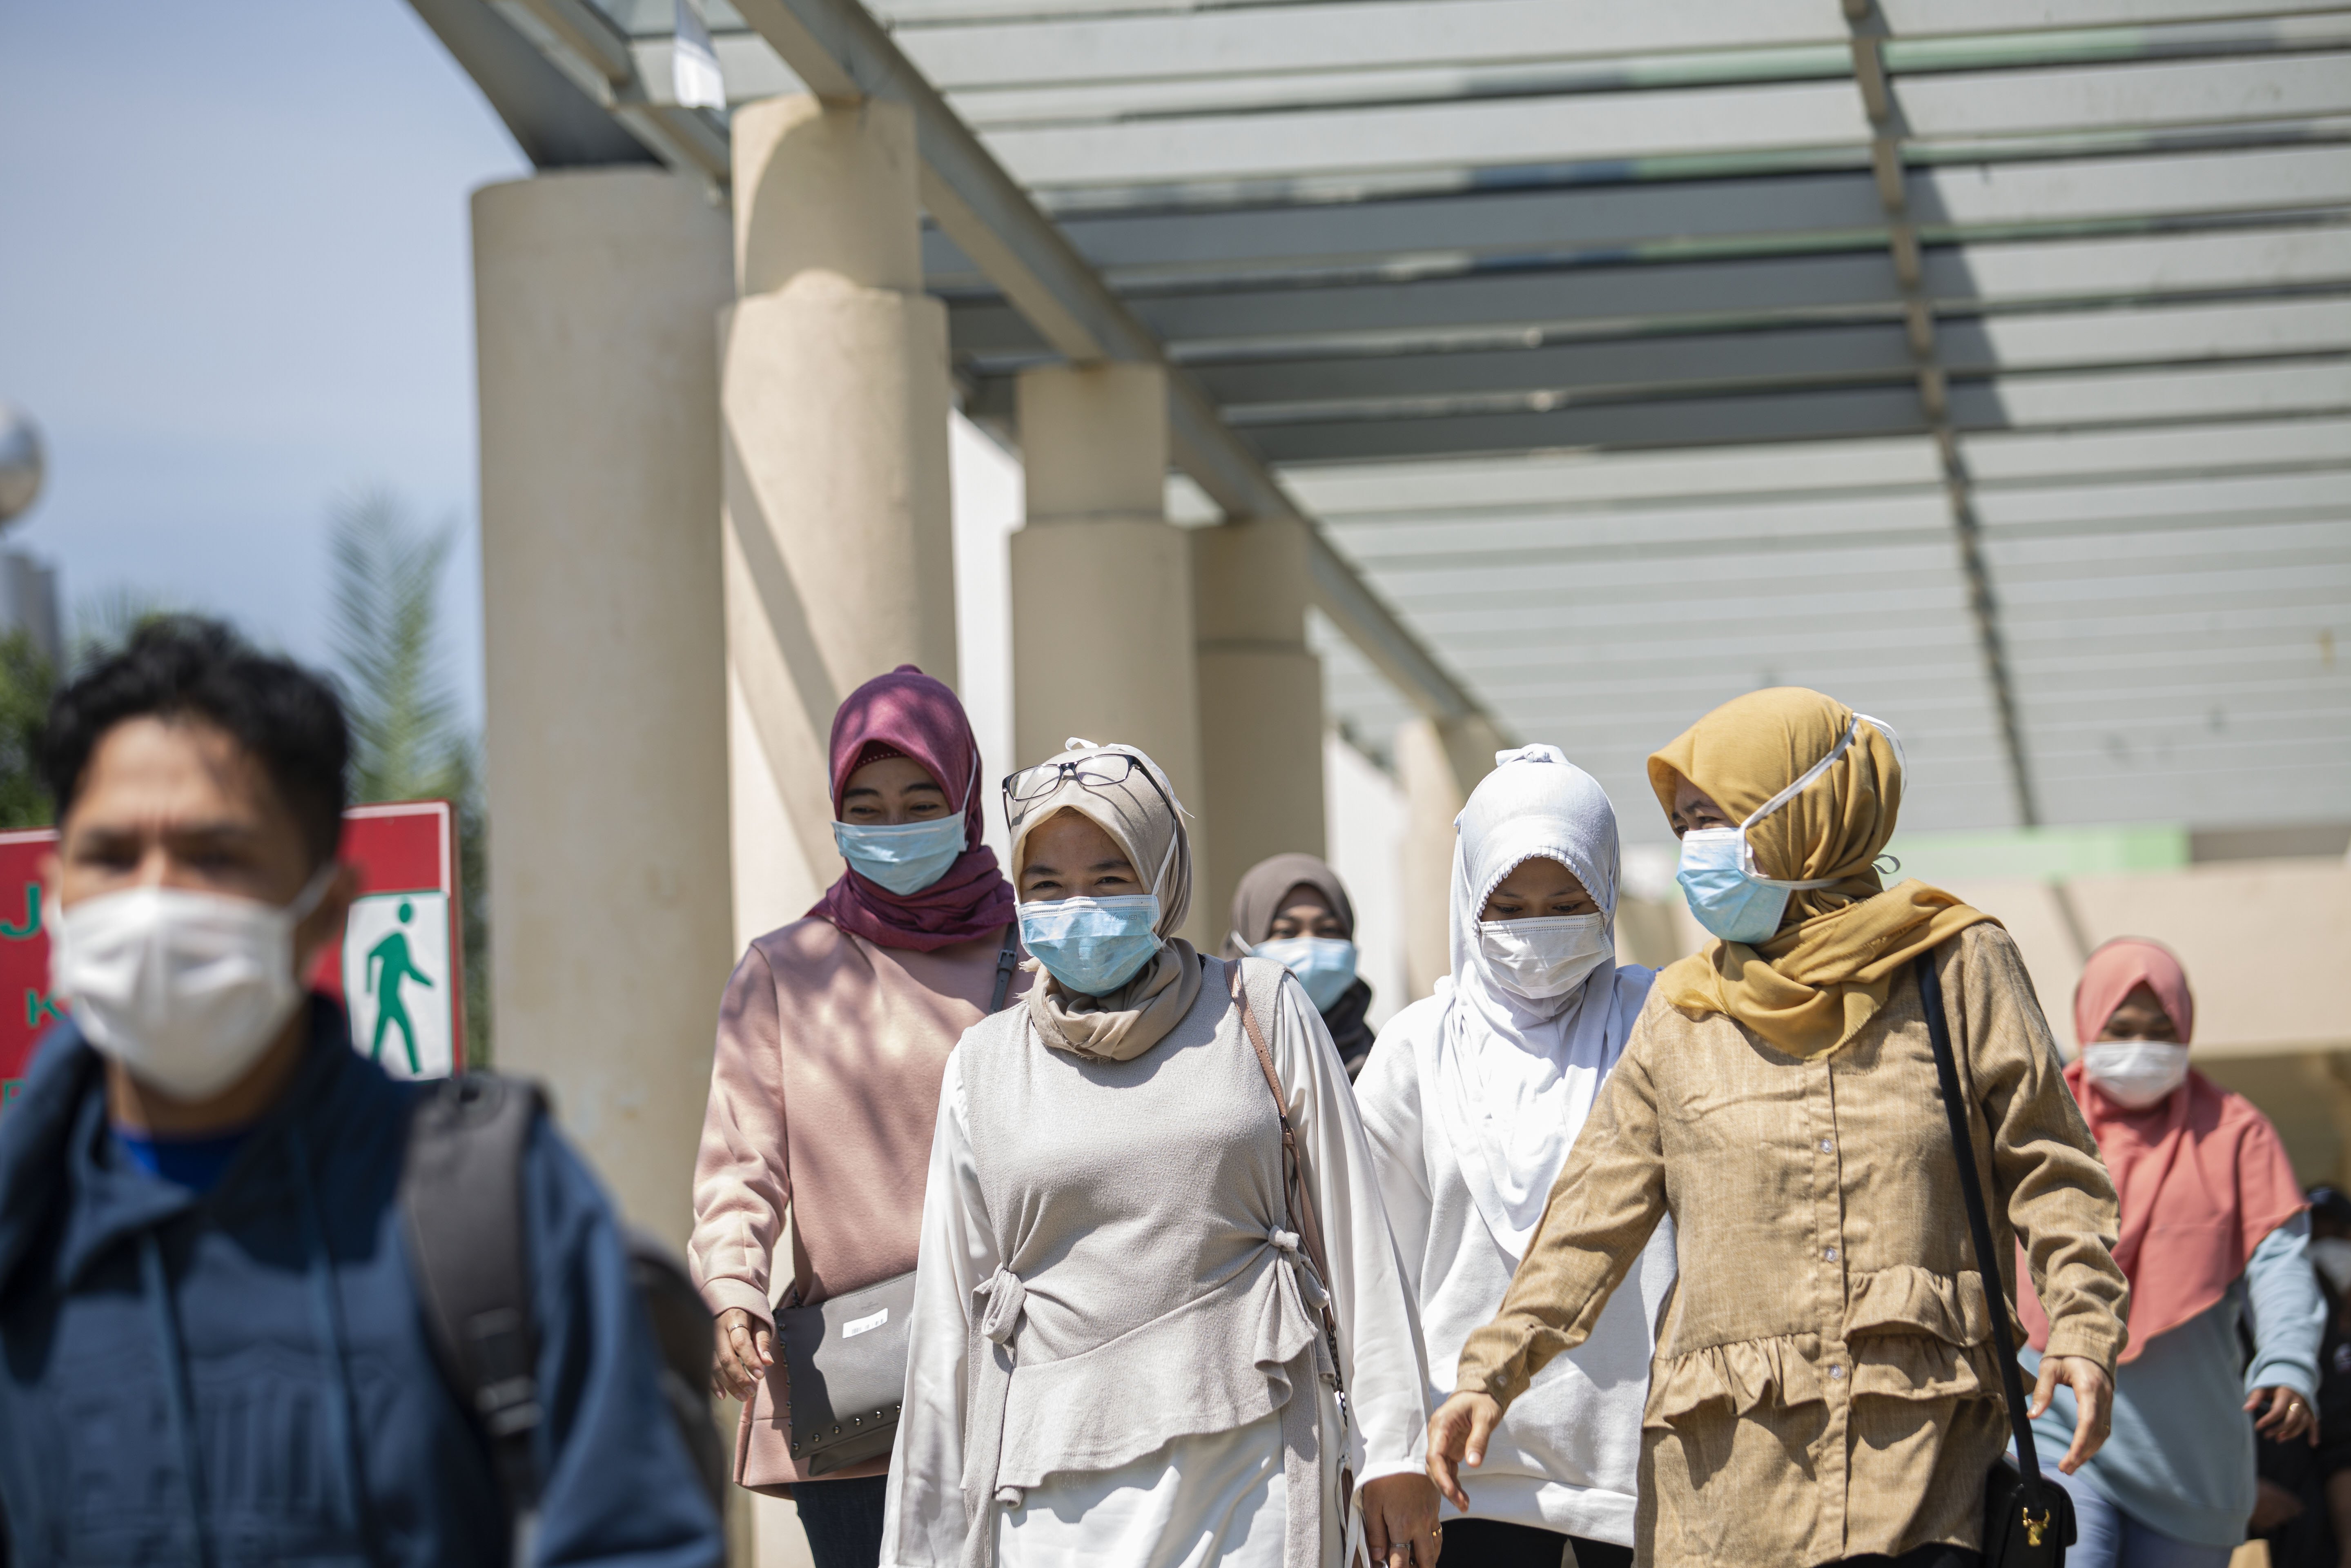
[1153, 1250]
[1472, 1098]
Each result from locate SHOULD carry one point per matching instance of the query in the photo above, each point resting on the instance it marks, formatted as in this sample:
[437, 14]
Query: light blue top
[2180, 1459]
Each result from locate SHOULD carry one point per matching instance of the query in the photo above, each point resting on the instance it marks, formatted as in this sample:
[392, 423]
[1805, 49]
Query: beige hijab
[1147, 825]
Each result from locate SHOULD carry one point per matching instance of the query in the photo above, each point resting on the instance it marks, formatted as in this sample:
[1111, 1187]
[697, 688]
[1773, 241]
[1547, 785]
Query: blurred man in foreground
[212, 1350]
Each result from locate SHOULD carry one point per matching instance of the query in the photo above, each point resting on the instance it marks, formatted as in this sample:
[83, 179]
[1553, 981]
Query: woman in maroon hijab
[832, 1041]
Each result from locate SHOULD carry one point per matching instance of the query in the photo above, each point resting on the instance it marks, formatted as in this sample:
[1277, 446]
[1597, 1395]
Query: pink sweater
[822, 1099]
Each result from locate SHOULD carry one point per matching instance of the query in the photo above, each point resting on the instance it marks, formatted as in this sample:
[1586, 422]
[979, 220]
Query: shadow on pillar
[1260, 701]
[1439, 761]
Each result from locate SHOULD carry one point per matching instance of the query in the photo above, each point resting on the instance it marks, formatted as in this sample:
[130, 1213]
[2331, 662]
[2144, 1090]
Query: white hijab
[1516, 1078]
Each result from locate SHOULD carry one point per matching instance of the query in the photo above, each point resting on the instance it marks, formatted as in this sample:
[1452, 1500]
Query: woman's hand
[2094, 1404]
[745, 1354]
[1400, 1521]
[1457, 1435]
[2288, 1415]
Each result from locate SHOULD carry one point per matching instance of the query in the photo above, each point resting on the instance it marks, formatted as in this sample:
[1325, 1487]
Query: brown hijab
[1809, 987]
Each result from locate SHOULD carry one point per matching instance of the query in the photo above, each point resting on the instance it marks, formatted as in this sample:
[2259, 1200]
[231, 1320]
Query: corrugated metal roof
[1989, 366]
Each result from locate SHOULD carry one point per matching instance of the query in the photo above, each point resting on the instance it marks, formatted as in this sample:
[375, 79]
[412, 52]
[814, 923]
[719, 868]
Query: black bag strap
[1007, 959]
[1955, 1108]
[461, 1206]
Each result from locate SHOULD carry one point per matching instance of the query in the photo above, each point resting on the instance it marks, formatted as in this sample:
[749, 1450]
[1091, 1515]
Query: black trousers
[843, 1521]
[1492, 1544]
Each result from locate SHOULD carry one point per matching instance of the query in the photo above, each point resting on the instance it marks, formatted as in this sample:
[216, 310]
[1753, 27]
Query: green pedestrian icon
[389, 964]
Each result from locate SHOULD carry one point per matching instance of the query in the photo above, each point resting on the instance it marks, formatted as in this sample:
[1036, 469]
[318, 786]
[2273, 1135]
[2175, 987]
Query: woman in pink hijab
[832, 1038]
[2213, 1237]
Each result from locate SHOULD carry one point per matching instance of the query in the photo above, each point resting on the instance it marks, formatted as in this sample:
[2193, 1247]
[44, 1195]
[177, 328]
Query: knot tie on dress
[1005, 1296]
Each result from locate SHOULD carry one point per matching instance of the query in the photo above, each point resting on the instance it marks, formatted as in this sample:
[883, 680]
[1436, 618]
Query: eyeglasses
[1099, 771]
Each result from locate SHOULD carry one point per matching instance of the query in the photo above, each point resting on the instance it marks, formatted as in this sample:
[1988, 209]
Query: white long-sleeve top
[1568, 1452]
[1218, 1497]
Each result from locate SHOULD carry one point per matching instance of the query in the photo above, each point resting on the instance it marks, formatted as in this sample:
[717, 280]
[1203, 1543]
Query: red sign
[400, 968]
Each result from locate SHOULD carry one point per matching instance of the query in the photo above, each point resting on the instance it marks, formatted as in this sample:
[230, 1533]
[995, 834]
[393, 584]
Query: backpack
[461, 1206]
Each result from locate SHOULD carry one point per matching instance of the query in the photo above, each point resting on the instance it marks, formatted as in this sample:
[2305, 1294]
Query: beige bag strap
[1302, 1208]
[1301, 1215]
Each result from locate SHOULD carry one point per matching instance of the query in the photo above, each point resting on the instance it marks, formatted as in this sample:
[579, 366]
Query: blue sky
[233, 288]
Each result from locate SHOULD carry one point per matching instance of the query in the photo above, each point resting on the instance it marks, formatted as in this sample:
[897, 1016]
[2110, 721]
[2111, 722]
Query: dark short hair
[187, 666]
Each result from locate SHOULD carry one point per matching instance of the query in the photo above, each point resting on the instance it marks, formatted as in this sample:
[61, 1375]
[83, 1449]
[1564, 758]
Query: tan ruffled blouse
[1825, 1384]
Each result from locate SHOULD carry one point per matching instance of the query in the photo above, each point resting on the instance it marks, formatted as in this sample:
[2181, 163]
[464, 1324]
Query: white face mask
[183, 988]
[2135, 1073]
[1545, 958]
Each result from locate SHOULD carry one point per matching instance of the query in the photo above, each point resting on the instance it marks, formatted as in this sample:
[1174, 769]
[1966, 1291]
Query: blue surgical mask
[1717, 871]
[1092, 946]
[906, 857]
[1729, 900]
[1326, 965]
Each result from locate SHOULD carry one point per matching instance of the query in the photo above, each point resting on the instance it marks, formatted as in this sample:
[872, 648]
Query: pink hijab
[2201, 1174]
[909, 714]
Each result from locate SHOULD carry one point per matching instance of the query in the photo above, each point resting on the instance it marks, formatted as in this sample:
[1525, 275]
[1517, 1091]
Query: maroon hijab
[909, 713]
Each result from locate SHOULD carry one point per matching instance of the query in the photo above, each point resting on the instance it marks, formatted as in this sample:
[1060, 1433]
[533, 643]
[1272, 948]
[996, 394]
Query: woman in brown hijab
[1294, 909]
[1825, 1389]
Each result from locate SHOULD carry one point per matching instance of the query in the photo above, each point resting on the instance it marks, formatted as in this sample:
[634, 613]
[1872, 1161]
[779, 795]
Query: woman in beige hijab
[1132, 1324]
[1825, 1387]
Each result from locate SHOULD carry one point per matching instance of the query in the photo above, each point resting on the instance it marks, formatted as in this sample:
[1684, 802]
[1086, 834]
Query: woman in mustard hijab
[1825, 1390]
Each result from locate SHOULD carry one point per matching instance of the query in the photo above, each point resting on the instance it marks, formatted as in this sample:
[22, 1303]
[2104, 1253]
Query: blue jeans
[2113, 1538]
[843, 1521]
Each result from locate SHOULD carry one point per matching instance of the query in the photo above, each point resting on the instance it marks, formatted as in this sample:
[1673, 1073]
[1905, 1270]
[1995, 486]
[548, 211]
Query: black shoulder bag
[2028, 1519]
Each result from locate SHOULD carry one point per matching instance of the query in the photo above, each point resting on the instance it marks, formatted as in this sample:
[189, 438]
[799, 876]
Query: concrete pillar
[840, 548]
[1260, 701]
[1439, 761]
[1102, 635]
[605, 669]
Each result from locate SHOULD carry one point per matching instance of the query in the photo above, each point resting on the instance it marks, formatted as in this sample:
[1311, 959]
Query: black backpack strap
[1955, 1108]
[461, 1206]
[1006, 960]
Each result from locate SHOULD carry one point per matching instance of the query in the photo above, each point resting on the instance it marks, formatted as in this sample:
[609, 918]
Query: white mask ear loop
[1176, 812]
[1852, 728]
[313, 893]
[969, 791]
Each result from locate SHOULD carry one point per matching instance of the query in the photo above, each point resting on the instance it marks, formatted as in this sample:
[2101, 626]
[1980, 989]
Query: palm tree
[26, 680]
[408, 739]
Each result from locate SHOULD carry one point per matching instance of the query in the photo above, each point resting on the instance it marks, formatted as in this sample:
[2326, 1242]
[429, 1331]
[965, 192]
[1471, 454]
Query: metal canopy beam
[1764, 212]
[1627, 29]
[1256, 393]
[1740, 121]
[557, 124]
[963, 46]
[580, 65]
[838, 48]
[2070, 401]
[1890, 116]
[1496, 308]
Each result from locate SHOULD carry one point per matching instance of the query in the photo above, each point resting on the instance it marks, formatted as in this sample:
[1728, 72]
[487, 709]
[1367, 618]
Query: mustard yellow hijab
[1827, 971]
